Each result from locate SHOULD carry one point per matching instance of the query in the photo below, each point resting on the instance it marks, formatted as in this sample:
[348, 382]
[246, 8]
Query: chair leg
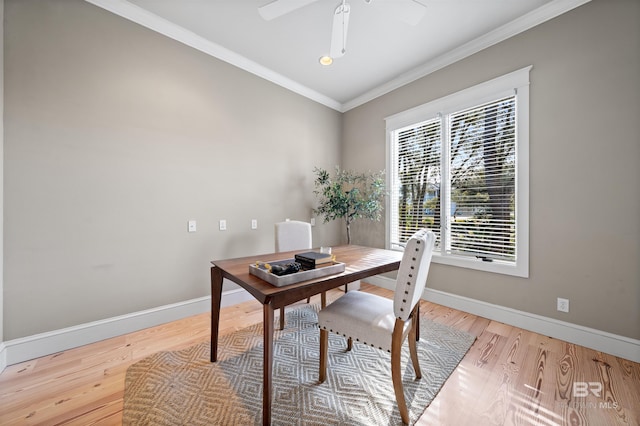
[324, 345]
[282, 318]
[396, 371]
[417, 320]
[413, 347]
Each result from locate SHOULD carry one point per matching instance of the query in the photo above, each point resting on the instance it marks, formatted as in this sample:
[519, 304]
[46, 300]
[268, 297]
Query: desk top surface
[360, 262]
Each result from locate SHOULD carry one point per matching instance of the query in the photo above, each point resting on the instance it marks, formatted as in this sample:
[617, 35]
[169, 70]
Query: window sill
[520, 269]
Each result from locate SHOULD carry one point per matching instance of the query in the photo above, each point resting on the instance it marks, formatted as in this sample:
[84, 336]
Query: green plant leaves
[349, 195]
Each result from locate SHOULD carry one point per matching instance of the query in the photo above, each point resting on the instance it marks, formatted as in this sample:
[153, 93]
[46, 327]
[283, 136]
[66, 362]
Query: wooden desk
[360, 262]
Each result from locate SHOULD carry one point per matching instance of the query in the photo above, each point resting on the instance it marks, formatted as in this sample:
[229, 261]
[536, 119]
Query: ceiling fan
[408, 11]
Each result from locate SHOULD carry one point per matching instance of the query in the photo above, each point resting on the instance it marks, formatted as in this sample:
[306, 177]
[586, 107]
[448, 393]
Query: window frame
[517, 83]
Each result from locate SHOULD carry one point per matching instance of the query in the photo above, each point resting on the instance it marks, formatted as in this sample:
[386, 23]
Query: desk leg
[216, 297]
[268, 364]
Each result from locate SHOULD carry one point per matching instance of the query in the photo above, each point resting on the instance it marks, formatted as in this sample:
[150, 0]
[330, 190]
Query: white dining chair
[292, 235]
[380, 322]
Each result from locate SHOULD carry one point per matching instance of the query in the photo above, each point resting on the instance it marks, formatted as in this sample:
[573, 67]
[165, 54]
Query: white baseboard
[598, 340]
[38, 345]
[26, 348]
[3, 356]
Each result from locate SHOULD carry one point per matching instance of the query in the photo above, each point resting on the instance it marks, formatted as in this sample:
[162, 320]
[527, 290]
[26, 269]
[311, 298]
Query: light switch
[223, 225]
[254, 223]
[191, 226]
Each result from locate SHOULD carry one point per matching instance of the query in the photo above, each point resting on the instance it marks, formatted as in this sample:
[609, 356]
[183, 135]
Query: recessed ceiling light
[326, 60]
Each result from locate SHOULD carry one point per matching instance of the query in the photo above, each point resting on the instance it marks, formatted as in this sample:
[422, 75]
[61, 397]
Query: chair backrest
[412, 275]
[293, 235]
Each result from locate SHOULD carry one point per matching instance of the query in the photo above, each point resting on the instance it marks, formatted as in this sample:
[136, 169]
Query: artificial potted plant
[349, 195]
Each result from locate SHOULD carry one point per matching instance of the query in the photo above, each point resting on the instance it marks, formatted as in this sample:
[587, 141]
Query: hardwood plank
[495, 404]
[509, 377]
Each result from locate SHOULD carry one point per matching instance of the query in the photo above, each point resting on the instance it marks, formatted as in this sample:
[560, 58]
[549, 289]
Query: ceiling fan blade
[408, 11]
[339, 30]
[278, 8]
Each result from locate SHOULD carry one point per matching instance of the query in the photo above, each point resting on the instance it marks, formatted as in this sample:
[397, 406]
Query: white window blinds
[481, 185]
[415, 199]
[459, 166]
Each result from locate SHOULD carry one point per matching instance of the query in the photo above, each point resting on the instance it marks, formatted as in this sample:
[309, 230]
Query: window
[459, 165]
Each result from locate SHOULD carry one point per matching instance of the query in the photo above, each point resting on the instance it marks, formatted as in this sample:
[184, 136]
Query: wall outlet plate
[563, 304]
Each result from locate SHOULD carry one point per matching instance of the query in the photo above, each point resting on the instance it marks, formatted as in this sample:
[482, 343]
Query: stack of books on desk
[313, 259]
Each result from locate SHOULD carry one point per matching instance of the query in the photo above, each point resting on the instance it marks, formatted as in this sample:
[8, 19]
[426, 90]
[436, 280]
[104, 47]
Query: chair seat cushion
[366, 317]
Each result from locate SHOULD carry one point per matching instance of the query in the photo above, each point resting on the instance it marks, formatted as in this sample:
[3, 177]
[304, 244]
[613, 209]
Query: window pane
[482, 182]
[416, 188]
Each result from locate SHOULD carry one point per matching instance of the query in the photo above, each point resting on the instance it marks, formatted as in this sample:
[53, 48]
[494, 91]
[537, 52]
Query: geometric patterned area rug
[184, 388]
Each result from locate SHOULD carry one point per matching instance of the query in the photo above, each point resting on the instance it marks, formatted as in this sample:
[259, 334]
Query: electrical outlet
[191, 226]
[313, 221]
[563, 304]
[223, 225]
[254, 223]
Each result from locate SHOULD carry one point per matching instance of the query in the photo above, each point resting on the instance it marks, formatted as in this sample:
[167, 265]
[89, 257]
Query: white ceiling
[383, 53]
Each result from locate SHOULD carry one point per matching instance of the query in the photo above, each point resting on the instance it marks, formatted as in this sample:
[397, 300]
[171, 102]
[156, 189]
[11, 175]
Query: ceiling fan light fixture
[339, 30]
[325, 60]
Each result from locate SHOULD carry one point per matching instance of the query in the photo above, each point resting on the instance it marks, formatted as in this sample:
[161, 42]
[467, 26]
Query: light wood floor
[509, 377]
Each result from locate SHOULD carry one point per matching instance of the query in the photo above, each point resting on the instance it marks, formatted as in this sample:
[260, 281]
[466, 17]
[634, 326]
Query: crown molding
[160, 25]
[515, 27]
[149, 20]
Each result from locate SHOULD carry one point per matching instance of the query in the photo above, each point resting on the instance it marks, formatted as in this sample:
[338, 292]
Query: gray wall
[584, 162]
[115, 137]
